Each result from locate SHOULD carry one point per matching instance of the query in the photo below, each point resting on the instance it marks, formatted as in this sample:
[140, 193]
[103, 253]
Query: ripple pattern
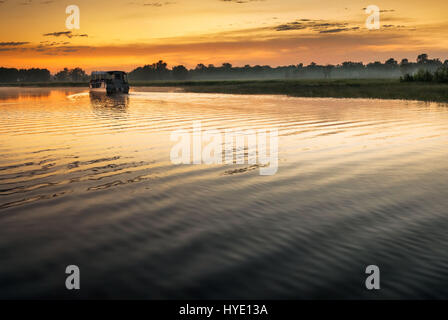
[87, 180]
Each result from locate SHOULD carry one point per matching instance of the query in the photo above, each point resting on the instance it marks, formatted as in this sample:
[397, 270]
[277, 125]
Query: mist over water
[87, 180]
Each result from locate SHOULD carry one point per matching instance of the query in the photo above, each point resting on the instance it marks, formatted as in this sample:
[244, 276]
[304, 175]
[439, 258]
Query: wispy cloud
[320, 26]
[30, 2]
[12, 44]
[338, 30]
[158, 4]
[153, 4]
[382, 11]
[68, 34]
[241, 1]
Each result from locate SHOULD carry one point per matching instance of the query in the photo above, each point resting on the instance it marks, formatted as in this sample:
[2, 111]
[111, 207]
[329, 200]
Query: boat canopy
[101, 75]
[104, 75]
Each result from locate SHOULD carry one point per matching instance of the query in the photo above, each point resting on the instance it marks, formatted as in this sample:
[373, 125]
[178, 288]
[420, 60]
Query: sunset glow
[125, 34]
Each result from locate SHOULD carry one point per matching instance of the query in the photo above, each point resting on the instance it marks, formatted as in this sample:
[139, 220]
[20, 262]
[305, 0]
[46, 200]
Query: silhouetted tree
[76, 74]
[180, 73]
[422, 58]
[34, 75]
[62, 75]
[348, 69]
[9, 75]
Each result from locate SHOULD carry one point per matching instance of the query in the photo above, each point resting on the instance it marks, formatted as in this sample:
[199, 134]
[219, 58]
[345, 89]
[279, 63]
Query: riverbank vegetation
[426, 79]
[390, 69]
[347, 88]
[440, 75]
[159, 71]
[374, 89]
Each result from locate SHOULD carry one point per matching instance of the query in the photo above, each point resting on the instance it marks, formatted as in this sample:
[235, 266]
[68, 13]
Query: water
[87, 180]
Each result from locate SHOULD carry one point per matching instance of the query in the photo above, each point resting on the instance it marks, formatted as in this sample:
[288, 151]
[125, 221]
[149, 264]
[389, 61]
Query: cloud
[153, 4]
[12, 44]
[320, 26]
[291, 26]
[382, 11]
[68, 34]
[338, 30]
[58, 48]
[158, 4]
[240, 1]
[58, 34]
[29, 2]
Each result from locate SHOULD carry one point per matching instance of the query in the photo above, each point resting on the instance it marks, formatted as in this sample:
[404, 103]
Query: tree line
[11, 75]
[346, 70]
[24, 75]
[420, 70]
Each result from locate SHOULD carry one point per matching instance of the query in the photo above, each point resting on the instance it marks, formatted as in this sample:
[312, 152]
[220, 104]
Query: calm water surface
[87, 180]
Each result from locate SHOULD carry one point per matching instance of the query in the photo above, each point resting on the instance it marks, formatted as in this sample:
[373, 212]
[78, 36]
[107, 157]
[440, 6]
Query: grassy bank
[356, 88]
[381, 89]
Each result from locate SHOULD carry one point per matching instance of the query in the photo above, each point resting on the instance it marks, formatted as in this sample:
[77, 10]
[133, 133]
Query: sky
[125, 34]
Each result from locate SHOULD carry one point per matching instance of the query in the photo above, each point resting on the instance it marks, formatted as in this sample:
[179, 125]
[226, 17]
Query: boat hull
[103, 90]
[110, 89]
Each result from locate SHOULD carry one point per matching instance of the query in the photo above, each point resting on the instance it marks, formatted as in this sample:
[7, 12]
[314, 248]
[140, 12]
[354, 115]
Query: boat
[109, 82]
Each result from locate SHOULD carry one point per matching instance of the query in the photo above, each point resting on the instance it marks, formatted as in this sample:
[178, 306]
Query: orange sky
[124, 34]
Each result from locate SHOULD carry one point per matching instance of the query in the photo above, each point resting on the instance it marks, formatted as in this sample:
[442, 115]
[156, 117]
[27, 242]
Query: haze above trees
[422, 67]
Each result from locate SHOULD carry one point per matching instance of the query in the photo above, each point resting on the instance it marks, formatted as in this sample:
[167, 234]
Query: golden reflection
[26, 94]
[109, 104]
[29, 94]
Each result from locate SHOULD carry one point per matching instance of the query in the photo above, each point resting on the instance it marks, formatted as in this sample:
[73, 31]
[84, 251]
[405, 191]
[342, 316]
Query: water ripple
[87, 179]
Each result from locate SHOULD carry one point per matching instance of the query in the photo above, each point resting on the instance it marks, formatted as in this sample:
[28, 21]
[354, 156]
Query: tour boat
[109, 82]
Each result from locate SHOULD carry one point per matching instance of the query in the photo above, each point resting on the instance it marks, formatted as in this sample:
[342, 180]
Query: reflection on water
[14, 94]
[102, 102]
[86, 180]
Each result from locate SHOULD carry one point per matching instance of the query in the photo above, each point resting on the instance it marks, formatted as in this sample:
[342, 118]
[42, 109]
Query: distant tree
[155, 71]
[406, 67]
[180, 73]
[422, 58]
[200, 67]
[161, 70]
[9, 75]
[441, 75]
[63, 75]
[78, 74]
[391, 62]
[423, 75]
[34, 75]
[424, 69]
[327, 71]
[227, 66]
